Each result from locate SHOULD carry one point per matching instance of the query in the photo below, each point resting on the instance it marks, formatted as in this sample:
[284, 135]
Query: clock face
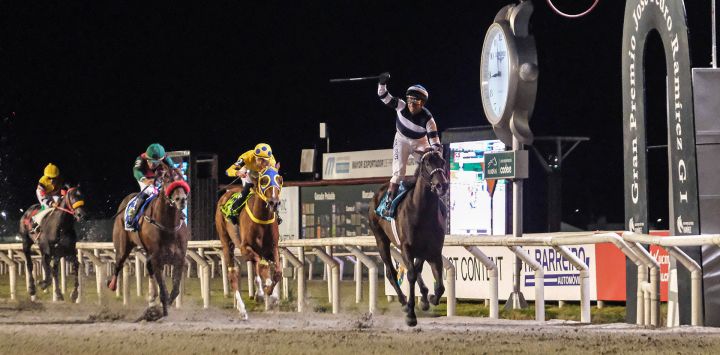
[495, 73]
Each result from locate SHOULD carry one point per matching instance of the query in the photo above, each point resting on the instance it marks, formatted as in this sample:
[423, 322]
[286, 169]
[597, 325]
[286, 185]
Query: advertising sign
[361, 164]
[472, 281]
[336, 210]
[288, 211]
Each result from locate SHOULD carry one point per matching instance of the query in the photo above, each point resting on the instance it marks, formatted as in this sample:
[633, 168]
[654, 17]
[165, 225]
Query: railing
[205, 255]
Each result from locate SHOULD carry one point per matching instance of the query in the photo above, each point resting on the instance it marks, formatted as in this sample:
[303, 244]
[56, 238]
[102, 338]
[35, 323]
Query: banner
[361, 164]
[472, 281]
[288, 211]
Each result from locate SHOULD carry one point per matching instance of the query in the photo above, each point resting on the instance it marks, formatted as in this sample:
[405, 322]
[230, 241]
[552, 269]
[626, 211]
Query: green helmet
[155, 151]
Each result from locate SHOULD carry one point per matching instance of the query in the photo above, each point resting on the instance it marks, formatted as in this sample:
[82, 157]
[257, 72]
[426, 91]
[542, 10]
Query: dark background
[88, 85]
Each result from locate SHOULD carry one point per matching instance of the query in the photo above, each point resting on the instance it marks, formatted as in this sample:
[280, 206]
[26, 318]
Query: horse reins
[169, 202]
[71, 207]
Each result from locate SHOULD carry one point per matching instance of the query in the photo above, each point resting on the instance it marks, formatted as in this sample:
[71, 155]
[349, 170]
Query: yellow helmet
[52, 171]
[263, 150]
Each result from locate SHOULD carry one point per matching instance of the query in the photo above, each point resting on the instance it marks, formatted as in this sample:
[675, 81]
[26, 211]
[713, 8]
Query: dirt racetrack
[47, 328]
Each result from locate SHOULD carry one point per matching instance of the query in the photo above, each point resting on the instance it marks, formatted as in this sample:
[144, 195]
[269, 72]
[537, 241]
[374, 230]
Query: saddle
[401, 193]
[228, 210]
[136, 219]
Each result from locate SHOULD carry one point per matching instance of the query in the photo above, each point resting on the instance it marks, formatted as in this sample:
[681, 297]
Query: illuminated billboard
[472, 210]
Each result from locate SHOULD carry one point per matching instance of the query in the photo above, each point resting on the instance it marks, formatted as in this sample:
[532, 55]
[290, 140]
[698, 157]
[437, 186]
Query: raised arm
[385, 96]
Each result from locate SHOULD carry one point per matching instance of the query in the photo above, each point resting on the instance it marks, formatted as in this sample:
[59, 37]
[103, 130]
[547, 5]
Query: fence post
[372, 276]
[584, 282]
[13, 273]
[300, 271]
[334, 278]
[493, 273]
[539, 281]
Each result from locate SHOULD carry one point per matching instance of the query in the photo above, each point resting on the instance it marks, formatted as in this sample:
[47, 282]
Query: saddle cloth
[228, 210]
[135, 219]
[401, 193]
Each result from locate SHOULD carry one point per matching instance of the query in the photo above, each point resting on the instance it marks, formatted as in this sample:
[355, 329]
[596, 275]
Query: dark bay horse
[256, 235]
[56, 238]
[163, 234]
[420, 232]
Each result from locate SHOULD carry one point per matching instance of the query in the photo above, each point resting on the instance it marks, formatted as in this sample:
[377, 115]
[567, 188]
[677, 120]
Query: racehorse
[162, 233]
[256, 235]
[55, 238]
[420, 227]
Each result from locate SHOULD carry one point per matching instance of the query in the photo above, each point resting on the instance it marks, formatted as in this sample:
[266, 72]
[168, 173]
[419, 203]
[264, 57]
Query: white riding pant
[147, 190]
[402, 148]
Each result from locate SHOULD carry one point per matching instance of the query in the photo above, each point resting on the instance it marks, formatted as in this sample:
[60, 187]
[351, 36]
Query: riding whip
[362, 78]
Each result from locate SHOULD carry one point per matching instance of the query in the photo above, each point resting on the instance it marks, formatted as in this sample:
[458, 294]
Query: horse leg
[233, 275]
[76, 273]
[160, 279]
[29, 269]
[410, 317]
[178, 268]
[424, 304]
[391, 272]
[121, 255]
[152, 289]
[56, 279]
[436, 264]
[45, 283]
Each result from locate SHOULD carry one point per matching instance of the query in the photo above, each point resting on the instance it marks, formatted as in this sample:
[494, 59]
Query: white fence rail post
[493, 273]
[300, 272]
[539, 281]
[584, 282]
[334, 275]
[372, 276]
[13, 274]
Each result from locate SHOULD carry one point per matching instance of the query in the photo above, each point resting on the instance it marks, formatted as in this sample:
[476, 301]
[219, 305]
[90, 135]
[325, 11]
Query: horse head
[175, 189]
[270, 184]
[74, 203]
[432, 171]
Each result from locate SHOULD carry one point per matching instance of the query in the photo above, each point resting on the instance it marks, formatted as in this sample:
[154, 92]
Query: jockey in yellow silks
[248, 167]
[48, 192]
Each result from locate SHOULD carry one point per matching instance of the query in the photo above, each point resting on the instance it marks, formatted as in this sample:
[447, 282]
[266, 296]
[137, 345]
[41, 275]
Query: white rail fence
[207, 259]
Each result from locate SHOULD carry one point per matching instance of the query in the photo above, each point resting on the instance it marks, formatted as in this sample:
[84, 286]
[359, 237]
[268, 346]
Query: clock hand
[495, 75]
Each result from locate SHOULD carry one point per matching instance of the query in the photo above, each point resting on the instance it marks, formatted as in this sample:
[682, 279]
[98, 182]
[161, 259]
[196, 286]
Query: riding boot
[392, 189]
[243, 194]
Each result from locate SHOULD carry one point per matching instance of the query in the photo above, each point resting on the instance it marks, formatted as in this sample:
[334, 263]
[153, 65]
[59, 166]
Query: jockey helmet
[263, 150]
[52, 171]
[418, 91]
[155, 151]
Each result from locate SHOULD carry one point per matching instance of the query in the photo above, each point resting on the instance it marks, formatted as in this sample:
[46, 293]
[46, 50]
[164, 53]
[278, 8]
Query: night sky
[88, 85]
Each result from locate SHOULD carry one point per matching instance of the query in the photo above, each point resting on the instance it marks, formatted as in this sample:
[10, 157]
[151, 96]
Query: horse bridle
[428, 175]
[71, 207]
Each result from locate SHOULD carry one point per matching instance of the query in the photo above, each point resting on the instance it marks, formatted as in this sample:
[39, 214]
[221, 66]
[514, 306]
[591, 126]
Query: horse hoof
[424, 306]
[74, 296]
[405, 308]
[112, 284]
[411, 321]
[60, 297]
[434, 300]
[243, 316]
[33, 298]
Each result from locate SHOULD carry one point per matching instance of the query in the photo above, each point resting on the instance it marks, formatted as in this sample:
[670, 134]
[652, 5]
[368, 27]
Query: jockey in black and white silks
[416, 130]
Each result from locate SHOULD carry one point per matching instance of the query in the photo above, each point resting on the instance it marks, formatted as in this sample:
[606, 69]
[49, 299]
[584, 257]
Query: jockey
[48, 193]
[145, 171]
[416, 130]
[248, 168]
